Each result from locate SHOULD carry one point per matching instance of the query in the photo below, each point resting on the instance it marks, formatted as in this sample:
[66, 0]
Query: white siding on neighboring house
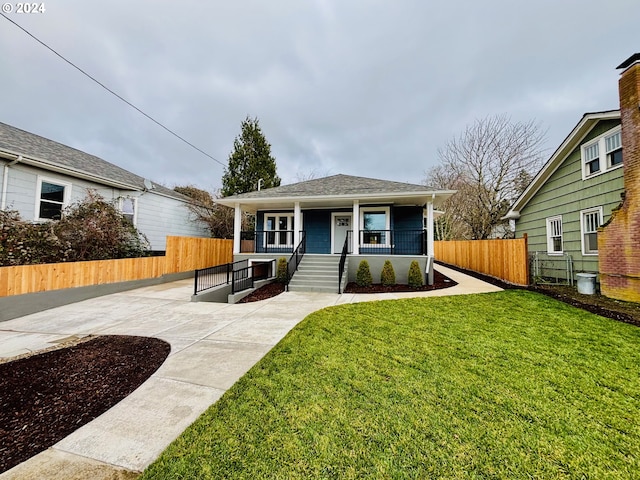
[157, 215]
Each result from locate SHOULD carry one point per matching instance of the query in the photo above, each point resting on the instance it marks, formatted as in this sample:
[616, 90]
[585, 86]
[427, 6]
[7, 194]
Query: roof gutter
[5, 180]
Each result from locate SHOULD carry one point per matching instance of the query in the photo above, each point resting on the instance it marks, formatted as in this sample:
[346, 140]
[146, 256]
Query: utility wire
[112, 92]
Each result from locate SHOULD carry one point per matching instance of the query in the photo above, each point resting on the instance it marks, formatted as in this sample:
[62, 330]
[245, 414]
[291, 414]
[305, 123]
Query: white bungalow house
[338, 217]
[40, 177]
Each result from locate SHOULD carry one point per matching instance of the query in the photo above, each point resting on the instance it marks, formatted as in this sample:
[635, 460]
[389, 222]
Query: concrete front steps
[318, 273]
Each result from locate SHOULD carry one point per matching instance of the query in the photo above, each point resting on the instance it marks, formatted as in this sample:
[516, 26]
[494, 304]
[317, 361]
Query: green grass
[505, 385]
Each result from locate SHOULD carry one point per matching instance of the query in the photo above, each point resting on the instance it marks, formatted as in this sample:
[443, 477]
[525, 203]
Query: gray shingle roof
[49, 152]
[334, 185]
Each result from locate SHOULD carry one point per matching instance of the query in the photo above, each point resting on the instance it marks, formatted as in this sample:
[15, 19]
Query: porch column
[355, 236]
[297, 223]
[430, 229]
[430, 246]
[237, 228]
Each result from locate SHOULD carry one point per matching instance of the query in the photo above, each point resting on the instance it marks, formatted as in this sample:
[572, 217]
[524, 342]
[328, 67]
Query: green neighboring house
[572, 195]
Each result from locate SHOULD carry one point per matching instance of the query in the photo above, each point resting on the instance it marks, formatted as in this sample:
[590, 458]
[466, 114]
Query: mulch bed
[45, 397]
[439, 281]
[266, 291]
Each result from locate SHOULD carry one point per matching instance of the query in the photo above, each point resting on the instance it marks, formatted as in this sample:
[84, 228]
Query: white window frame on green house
[554, 231]
[385, 241]
[599, 154]
[132, 213]
[64, 203]
[276, 237]
[590, 220]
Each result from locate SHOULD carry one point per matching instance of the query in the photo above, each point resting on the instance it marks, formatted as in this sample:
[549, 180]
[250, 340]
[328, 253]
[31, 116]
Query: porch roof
[338, 191]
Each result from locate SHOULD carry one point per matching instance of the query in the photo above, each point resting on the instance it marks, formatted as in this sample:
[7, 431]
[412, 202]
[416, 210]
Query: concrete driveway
[212, 346]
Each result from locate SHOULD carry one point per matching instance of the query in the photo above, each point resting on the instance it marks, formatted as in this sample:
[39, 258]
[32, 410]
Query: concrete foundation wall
[400, 264]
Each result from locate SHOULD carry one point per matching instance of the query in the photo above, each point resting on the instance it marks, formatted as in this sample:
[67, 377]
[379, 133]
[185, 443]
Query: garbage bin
[586, 283]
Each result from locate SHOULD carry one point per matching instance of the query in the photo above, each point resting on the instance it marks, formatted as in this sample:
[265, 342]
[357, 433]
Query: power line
[112, 92]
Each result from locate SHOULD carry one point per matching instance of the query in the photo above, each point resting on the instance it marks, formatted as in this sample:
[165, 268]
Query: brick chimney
[619, 240]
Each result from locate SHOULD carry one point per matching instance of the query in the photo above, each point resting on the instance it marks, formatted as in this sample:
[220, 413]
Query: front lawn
[506, 385]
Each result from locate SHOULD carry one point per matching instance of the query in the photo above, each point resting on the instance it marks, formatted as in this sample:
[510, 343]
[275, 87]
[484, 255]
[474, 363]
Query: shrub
[415, 275]
[363, 275]
[282, 274]
[92, 229]
[387, 276]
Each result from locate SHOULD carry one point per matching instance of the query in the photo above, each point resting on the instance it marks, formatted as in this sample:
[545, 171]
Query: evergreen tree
[249, 162]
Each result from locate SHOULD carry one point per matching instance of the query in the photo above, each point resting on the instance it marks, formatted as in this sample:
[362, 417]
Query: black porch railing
[206, 278]
[393, 242]
[267, 241]
[294, 260]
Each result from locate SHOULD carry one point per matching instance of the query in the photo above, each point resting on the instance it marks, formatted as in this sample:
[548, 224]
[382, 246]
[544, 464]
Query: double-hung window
[53, 197]
[613, 145]
[602, 154]
[554, 235]
[375, 225]
[279, 229]
[590, 220]
[128, 208]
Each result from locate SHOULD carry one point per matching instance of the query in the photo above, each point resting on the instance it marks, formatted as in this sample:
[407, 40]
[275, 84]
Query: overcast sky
[369, 88]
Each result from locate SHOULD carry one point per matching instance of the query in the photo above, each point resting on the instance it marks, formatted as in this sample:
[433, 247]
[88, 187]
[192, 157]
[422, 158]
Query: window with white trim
[129, 209]
[375, 223]
[602, 154]
[554, 235]
[53, 198]
[590, 220]
[279, 229]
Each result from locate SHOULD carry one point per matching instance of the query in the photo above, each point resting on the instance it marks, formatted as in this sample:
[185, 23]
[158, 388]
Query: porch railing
[294, 260]
[393, 242]
[267, 241]
[206, 278]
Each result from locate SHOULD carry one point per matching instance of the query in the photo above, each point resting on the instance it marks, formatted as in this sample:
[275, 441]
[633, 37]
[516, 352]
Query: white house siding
[157, 217]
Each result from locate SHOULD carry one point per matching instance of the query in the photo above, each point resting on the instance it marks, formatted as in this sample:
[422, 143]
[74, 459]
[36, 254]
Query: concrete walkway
[212, 346]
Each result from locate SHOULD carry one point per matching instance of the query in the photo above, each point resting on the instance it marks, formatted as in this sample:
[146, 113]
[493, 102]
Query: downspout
[5, 181]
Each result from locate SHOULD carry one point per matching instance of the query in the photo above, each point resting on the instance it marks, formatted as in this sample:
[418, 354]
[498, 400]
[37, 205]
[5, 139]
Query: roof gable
[573, 140]
[337, 191]
[335, 185]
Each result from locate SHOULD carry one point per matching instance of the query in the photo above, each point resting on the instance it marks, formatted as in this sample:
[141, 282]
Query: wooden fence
[183, 254]
[504, 259]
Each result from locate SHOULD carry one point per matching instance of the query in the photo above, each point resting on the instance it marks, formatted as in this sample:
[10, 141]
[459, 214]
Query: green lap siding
[565, 193]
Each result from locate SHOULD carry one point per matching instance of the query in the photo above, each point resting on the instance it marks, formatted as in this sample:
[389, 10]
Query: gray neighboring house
[571, 197]
[364, 218]
[40, 177]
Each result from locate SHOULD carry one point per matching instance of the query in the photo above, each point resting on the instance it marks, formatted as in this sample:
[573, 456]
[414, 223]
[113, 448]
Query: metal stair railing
[343, 259]
[296, 257]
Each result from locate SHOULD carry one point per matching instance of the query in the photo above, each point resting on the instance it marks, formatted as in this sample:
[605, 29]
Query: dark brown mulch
[439, 281]
[45, 397]
[627, 312]
[266, 291]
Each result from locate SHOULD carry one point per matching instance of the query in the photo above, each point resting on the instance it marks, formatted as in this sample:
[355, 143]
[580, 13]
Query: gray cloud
[361, 87]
